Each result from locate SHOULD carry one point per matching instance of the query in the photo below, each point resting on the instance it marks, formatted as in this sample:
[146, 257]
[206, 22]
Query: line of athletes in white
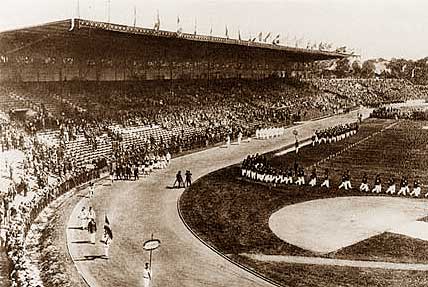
[269, 133]
[404, 186]
[257, 168]
[281, 178]
[334, 134]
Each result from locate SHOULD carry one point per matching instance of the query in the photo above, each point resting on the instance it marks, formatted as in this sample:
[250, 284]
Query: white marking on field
[416, 229]
[338, 262]
[327, 225]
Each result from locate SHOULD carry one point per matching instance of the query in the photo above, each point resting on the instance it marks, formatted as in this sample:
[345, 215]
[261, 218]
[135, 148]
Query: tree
[356, 69]
[343, 68]
[368, 69]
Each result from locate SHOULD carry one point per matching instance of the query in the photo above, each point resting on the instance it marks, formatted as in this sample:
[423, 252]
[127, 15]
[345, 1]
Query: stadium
[290, 179]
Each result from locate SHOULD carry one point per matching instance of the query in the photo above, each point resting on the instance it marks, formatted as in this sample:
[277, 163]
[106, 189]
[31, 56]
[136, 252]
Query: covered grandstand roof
[77, 33]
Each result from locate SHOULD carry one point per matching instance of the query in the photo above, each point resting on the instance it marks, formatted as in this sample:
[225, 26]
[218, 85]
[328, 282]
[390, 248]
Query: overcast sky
[373, 28]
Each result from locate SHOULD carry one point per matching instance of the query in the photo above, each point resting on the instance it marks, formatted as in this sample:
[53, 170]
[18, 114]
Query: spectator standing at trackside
[111, 178]
[83, 218]
[91, 189]
[239, 137]
[178, 179]
[188, 176]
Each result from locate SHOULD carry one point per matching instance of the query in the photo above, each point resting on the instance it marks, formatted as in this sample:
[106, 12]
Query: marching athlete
[377, 184]
[404, 186]
[313, 178]
[416, 189]
[391, 186]
[346, 181]
[326, 182]
[364, 185]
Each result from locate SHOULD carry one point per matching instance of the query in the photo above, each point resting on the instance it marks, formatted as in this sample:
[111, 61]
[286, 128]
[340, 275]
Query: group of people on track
[179, 182]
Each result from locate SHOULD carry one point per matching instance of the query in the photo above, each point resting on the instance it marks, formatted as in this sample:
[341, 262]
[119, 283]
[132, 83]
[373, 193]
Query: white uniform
[364, 187]
[416, 192]
[107, 241]
[377, 188]
[147, 277]
[326, 183]
[391, 189]
[239, 138]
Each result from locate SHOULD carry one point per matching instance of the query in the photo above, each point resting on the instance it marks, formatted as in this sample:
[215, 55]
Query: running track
[138, 209]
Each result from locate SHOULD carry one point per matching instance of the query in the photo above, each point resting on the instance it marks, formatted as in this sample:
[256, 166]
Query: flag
[267, 37]
[107, 229]
[135, 16]
[194, 33]
[179, 29]
[211, 30]
[260, 36]
[157, 22]
[276, 40]
[227, 33]
[239, 35]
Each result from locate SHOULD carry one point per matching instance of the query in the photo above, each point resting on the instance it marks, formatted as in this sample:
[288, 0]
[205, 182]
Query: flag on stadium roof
[260, 36]
[227, 33]
[276, 40]
[267, 37]
[157, 22]
[239, 35]
[179, 29]
[135, 16]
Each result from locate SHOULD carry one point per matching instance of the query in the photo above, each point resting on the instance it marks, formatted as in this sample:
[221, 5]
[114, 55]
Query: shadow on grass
[81, 242]
[90, 258]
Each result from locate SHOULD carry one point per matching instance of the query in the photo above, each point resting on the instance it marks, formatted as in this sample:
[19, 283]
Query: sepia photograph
[213, 143]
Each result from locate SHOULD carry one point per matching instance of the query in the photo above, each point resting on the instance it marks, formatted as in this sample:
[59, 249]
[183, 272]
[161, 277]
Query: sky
[372, 28]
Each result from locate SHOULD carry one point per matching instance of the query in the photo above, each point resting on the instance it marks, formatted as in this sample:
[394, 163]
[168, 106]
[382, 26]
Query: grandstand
[88, 50]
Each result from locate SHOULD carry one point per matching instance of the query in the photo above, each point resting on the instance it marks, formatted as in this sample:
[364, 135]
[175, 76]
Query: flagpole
[108, 10]
[151, 255]
[135, 16]
[78, 9]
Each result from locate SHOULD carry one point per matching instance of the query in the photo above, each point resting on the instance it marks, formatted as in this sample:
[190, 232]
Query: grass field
[232, 214]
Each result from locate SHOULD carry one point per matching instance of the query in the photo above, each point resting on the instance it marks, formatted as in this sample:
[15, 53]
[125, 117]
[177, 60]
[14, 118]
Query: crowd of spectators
[369, 92]
[44, 176]
[212, 110]
[417, 114]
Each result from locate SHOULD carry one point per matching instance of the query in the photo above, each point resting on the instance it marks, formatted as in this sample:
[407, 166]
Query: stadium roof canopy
[77, 37]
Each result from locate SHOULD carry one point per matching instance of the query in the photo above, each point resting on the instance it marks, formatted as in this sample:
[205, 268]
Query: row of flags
[260, 37]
